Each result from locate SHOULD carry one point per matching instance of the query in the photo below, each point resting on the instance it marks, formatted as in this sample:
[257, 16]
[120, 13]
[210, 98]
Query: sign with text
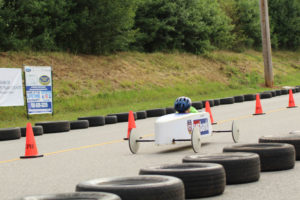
[11, 88]
[38, 82]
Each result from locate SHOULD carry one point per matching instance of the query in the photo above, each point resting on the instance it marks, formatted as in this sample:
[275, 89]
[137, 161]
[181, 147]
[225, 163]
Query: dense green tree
[246, 20]
[248, 23]
[194, 26]
[6, 34]
[86, 26]
[2, 30]
[213, 22]
[103, 26]
[285, 23]
[156, 20]
[36, 25]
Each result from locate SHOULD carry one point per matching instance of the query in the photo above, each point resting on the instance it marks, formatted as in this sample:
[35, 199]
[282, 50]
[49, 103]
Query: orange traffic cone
[30, 148]
[291, 100]
[207, 109]
[258, 108]
[131, 124]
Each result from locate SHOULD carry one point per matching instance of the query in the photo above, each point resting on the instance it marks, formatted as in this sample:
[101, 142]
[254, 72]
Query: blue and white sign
[204, 126]
[38, 90]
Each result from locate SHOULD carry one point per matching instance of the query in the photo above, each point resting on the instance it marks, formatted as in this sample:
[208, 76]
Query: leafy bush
[195, 26]
[245, 17]
[285, 23]
[93, 26]
[34, 24]
[102, 26]
[106, 26]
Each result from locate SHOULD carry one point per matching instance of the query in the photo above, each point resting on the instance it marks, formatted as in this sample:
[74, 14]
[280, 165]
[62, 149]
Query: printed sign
[189, 126]
[38, 90]
[203, 124]
[11, 87]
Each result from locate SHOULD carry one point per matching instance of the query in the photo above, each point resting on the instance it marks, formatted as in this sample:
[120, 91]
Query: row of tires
[196, 177]
[93, 121]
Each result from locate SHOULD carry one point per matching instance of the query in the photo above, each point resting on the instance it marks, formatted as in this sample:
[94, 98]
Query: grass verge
[91, 85]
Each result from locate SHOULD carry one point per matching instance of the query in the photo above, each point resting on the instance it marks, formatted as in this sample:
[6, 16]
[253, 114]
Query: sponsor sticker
[203, 126]
[190, 126]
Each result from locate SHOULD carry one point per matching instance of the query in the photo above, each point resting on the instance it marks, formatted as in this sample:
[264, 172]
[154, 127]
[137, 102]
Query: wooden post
[266, 42]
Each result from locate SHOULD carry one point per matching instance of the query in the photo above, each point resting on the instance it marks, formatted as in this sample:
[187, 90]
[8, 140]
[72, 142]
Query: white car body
[180, 126]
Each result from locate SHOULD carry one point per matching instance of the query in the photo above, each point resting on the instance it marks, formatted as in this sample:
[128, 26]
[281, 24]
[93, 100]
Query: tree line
[107, 26]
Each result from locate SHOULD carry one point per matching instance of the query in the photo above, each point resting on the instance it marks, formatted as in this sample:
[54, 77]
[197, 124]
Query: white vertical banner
[38, 84]
[11, 87]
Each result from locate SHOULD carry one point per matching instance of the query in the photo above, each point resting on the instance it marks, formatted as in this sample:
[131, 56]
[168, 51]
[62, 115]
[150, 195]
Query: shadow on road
[181, 148]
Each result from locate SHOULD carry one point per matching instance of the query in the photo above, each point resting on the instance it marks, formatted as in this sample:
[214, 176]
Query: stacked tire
[235, 165]
[273, 156]
[10, 133]
[55, 126]
[75, 195]
[148, 187]
[199, 179]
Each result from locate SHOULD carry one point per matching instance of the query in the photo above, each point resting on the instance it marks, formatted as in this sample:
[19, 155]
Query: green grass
[123, 101]
[138, 81]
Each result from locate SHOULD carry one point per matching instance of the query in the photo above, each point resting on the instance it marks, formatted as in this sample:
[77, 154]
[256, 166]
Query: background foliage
[105, 26]
[193, 26]
[285, 23]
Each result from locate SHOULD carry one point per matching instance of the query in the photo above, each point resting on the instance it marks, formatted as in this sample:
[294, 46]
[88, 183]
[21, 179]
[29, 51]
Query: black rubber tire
[79, 124]
[10, 133]
[123, 117]
[228, 100]
[292, 139]
[217, 102]
[278, 92]
[197, 104]
[273, 156]
[138, 187]
[55, 126]
[170, 110]
[199, 179]
[211, 103]
[297, 89]
[239, 99]
[156, 112]
[284, 91]
[141, 114]
[273, 92]
[239, 167]
[249, 97]
[111, 119]
[94, 120]
[265, 95]
[37, 130]
[75, 195]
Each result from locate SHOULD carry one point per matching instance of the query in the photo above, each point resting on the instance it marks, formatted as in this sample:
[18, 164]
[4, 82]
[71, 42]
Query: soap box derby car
[178, 127]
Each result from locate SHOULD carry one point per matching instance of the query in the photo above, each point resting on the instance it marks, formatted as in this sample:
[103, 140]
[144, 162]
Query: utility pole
[266, 42]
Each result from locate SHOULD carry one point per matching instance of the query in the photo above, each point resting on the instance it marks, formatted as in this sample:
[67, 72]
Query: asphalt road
[80, 155]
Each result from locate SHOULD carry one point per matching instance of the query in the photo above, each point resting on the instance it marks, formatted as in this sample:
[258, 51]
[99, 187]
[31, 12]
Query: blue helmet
[182, 104]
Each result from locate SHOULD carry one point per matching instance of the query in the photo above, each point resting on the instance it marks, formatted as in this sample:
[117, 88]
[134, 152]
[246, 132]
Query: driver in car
[184, 105]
